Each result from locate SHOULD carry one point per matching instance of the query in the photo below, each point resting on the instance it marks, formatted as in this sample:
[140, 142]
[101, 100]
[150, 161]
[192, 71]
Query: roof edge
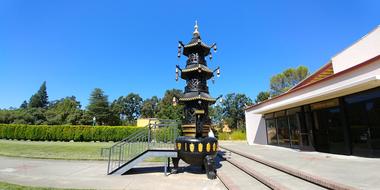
[369, 61]
[357, 41]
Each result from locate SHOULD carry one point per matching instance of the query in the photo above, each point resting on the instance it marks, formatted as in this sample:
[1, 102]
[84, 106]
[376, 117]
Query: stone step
[273, 176]
[235, 179]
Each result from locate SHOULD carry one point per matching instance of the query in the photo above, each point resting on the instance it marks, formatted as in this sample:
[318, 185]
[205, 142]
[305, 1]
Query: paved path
[362, 173]
[91, 175]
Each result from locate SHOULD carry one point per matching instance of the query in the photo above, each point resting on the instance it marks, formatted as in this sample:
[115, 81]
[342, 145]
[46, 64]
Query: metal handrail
[158, 135]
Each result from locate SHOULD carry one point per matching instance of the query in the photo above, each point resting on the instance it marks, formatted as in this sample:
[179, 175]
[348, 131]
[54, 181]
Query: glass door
[363, 116]
[283, 131]
[306, 129]
[329, 131]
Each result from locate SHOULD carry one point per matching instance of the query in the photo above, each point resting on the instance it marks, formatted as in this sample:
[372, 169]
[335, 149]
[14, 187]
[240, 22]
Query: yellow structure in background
[226, 128]
[142, 122]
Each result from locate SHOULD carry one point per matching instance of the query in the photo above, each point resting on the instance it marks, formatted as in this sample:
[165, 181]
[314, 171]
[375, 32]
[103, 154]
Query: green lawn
[53, 150]
[57, 150]
[9, 186]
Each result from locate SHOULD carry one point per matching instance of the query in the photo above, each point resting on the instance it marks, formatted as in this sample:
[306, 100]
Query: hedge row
[65, 132]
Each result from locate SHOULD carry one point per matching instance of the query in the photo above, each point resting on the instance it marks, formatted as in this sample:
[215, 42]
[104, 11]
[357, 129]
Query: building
[143, 122]
[334, 110]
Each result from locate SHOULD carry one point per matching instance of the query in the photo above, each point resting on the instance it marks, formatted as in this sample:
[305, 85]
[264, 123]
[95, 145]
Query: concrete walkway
[91, 175]
[362, 173]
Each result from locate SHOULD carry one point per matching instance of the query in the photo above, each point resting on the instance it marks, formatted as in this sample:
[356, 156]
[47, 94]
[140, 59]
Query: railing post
[109, 160]
[149, 136]
[119, 154]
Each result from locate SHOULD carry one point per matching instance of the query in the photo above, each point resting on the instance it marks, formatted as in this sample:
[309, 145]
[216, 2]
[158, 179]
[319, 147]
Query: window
[283, 127]
[271, 131]
[294, 129]
[363, 111]
[283, 131]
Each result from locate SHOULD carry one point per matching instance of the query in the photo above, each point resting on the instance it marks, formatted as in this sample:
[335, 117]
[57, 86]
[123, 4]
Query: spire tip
[196, 32]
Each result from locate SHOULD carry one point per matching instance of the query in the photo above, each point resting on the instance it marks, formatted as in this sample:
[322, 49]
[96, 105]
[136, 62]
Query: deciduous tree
[263, 95]
[128, 106]
[64, 111]
[150, 107]
[167, 110]
[233, 109]
[282, 82]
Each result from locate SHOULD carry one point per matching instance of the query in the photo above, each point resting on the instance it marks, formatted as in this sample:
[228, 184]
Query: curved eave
[197, 98]
[185, 73]
[199, 67]
[197, 43]
[190, 48]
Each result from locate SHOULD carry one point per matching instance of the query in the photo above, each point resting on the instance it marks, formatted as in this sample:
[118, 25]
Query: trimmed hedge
[65, 132]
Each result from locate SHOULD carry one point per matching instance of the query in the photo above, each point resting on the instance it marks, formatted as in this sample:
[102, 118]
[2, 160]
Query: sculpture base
[198, 152]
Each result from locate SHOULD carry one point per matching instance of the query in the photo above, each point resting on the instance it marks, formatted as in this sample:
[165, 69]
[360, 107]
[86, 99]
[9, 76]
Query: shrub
[224, 136]
[238, 135]
[235, 135]
[65, 132]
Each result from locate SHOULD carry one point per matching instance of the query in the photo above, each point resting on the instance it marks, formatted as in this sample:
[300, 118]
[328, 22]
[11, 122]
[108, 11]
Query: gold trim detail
[197, 98]
[199, 111]
[179, 146]
[196, 43]
[214, 147]
[191, 147]
[208, 147]
[200, 147]
[185, 146]
[199, 67]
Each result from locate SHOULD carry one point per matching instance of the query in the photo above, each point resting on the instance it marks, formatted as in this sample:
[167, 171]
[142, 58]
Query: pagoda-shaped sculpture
[197, 145]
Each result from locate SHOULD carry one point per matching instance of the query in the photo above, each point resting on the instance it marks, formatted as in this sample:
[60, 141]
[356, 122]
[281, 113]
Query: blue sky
[130, 46]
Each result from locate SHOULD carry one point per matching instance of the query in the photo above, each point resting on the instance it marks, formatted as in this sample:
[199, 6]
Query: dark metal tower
[196, 147]
[196, 98]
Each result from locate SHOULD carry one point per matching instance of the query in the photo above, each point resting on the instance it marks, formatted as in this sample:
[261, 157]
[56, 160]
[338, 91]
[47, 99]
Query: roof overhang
[324, 93]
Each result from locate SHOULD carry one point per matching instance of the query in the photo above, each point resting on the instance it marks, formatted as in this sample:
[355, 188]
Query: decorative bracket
[177, 69]
[220, 96]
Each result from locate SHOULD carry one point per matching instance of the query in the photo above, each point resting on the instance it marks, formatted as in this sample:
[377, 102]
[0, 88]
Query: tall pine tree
[39, 99]
[99, 107]
[24, 105]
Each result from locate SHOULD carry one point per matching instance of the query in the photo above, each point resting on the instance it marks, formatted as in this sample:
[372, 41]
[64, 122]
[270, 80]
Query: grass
[9, 186]
[58, 150]
[53, 150]
[235, 135]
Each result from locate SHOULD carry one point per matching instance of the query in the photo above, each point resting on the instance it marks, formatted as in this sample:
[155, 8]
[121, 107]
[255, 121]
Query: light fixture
[215, 48]
[179, 50]
[176, 74]
[218, 72]
[199, 102]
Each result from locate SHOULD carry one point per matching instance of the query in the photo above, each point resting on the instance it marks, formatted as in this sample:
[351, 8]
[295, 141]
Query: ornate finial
[196, 32]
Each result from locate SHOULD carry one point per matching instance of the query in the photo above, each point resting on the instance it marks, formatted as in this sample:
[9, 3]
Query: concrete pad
[92, 175]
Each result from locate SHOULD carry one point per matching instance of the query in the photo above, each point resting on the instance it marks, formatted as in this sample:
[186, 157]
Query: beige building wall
[142, 122]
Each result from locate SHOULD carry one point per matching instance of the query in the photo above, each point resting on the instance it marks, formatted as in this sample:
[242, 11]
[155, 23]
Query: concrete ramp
[141, 157]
